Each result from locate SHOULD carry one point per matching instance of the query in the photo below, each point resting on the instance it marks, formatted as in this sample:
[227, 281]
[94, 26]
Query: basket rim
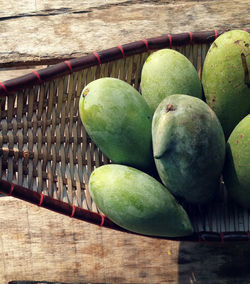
[97, 58]
[72, 211]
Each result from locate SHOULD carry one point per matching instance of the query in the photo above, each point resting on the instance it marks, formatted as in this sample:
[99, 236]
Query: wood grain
[39, 245]
[53, 30]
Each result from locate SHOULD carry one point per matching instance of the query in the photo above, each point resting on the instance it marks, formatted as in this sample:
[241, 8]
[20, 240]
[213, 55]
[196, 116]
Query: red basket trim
[191, 37]
[4, 88]
[98, 57]
[146, 44]
[38, 76]
[11, 189]
[102, 220]
[69, 65]
[77, 64]
[122, 51]
[170, 40]
[41, 200]
[73, 211]
[216, 34]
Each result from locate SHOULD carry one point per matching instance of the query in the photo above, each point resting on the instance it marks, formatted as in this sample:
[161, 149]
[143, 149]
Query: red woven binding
[216, 34]
[73, 211]
[170, 40]
[191, 37]
[102, 220]
[69, 65]
[11, 189]
[2, 85]
[38, 76]
[41, 200]
[98, 57]
[146, 43]
[121, 49]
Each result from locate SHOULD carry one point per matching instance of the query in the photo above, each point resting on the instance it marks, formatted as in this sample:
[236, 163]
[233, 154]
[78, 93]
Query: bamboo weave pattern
[44, 146]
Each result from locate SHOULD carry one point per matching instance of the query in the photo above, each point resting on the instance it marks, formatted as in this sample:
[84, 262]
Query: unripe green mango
[167, 72]
[189, 147]
[137, 202]
[237, 166]
[226, 78]
[118, 120]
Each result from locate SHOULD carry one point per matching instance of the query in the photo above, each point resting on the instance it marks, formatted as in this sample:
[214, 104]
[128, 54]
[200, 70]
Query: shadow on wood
[214, 263]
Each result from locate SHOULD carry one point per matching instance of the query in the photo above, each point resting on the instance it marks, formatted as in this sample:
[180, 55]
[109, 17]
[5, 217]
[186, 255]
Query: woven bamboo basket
[46, 157]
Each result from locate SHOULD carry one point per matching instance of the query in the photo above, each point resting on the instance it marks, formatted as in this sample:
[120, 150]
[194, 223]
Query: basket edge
[97, 58]
[100, 220]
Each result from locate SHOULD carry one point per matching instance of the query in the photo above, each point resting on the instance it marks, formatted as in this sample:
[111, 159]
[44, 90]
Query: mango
[226, 78]
[118, 120]
[137, 202]
[167, 72]
[236, 173]
[188, 147]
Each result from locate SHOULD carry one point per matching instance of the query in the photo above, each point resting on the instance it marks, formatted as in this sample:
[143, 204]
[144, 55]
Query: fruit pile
[175, 140]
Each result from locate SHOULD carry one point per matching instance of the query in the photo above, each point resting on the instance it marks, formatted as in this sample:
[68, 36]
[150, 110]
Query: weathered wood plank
[41, 30]
[40, 245]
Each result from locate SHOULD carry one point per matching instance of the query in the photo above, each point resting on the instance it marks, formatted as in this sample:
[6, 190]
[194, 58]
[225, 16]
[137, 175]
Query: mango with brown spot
[118, 120]
[226, 78]
[189, 147]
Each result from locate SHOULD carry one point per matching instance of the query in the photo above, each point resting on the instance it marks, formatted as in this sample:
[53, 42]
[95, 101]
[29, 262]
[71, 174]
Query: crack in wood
[64, 10]
[42, 13]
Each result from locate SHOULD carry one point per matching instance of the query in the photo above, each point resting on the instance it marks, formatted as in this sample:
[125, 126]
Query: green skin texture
[224, 78]
[237, 166]
[137, 202]
[189, 147]
[118, 120]
[167, 72]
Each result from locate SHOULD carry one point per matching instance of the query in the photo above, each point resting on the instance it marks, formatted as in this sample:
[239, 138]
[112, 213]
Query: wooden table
[39, 245]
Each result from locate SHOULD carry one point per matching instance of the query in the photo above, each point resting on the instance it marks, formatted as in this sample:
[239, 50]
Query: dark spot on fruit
[237, 41]
[85, 92]
[170, 107]
[213, 101]
[215, 45]
[245, 68]
[246, 45]
[148, 117]
[241, 136]
[237, 141]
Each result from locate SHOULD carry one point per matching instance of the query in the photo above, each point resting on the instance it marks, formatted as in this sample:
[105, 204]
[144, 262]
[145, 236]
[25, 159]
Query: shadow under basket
[46, 157]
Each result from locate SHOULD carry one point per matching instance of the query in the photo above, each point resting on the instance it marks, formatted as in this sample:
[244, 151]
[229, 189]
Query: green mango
[118, 120]
[188, 147]
[167, 72]
[137, 202]
[236, 173]
[226, 78]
